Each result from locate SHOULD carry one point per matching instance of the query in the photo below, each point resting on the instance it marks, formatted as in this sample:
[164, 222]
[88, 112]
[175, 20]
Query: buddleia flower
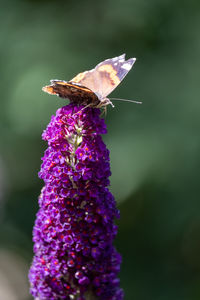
[74, 256]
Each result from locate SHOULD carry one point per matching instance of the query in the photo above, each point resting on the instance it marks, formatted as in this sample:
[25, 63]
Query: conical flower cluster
[74, 229]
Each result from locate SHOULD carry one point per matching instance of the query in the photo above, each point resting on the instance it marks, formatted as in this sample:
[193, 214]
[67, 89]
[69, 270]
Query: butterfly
[91, 88]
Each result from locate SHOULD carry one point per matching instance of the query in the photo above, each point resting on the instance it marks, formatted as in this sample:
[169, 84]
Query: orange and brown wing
[87, 79]
[73, 92]
[106, 76]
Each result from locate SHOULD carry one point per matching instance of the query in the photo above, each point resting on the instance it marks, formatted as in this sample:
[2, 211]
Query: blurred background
[154, 147]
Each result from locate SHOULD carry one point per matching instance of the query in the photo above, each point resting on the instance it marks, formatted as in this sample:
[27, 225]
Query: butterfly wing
[65, 89]
[74, 92]
[87, 79]
[106, 76]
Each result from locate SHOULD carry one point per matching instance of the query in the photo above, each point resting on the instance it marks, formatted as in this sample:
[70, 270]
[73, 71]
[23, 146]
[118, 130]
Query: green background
[154, 147]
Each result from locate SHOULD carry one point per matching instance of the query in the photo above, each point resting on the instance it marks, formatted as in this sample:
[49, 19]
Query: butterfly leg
[104, 112]
[90, 104]
[104, 102]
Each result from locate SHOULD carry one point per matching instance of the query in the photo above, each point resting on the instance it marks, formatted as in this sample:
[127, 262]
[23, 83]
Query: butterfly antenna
[126, 100]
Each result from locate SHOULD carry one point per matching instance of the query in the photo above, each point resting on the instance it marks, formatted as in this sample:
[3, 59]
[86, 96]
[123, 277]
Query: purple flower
[74, 229]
